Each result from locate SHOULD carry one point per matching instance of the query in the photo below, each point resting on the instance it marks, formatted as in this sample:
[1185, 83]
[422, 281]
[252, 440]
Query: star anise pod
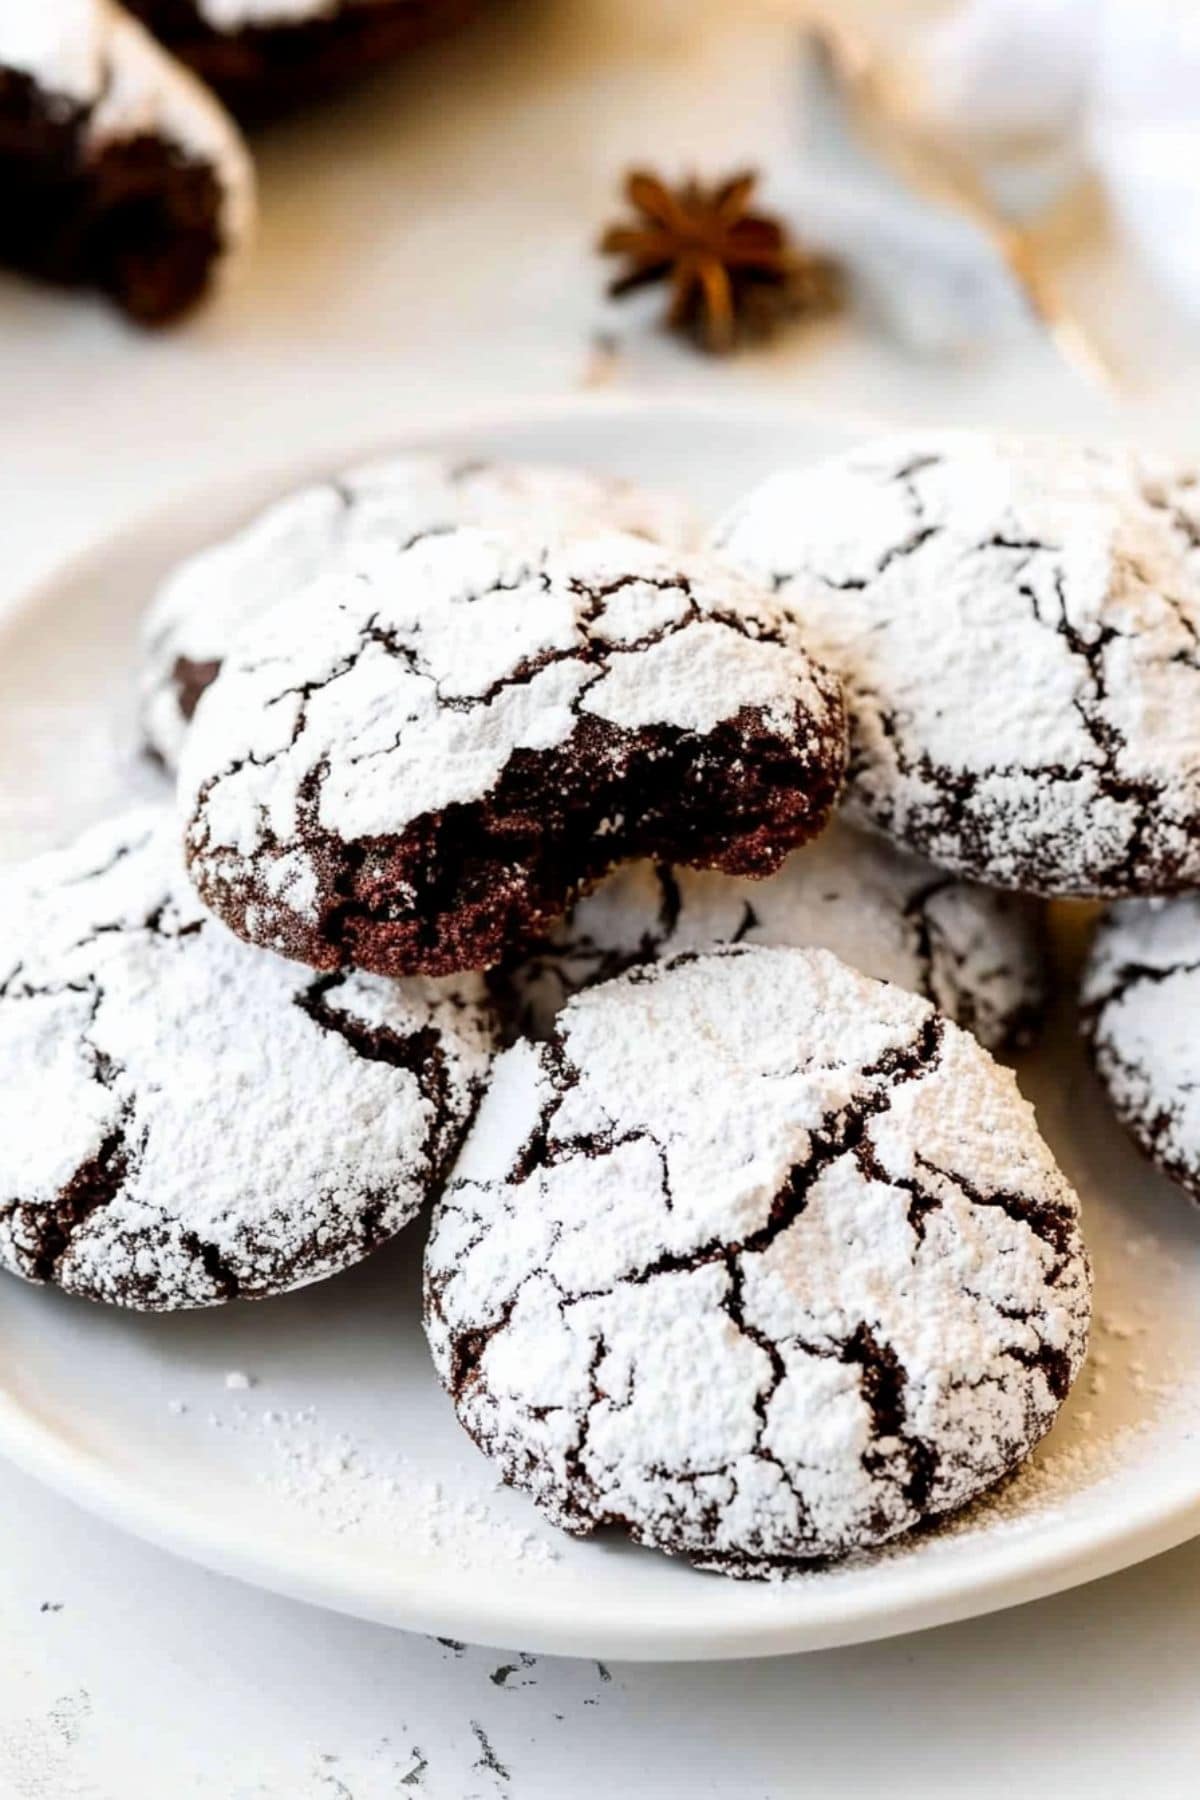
[732, 272]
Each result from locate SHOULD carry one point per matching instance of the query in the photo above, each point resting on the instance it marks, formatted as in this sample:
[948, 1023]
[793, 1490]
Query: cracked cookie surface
[1018, 626]
[976, 953]
[1139, 1001]
[186, 1121]
[756, 1259]
[202, 605]
[411, 766]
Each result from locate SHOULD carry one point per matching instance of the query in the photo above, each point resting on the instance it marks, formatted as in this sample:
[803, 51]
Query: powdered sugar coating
[479, 720]
[240, 15]
[1018, 625]
[1140, 1001]
[758, 1259]
[93, 58]
[210, 597]
[186, 1120]
[977, 954]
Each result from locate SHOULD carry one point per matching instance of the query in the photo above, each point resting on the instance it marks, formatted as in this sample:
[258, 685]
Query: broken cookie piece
[412, 765]
[119, 170]
[187, 1121]
[1017, 622]
[756, 1260]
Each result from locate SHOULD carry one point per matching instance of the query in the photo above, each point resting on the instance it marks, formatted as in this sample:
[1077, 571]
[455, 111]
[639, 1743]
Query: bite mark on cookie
[415, 767]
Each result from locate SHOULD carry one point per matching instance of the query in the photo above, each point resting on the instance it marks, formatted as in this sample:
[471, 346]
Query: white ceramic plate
[338, 1474]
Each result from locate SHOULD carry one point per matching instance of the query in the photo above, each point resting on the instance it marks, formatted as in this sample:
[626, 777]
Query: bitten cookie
[263, 56]
[119, 171]
[186, 1121]
[202, 605]
[1140, 1000]
[758, 1260]
[410, 767]
[977, 954]
[1017, 623]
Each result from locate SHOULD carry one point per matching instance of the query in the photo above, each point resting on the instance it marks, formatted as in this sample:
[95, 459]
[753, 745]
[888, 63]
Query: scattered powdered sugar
[352, 1484]
[755, 1292]
[204, 603]
[1018, 626]
[350, 1480]
[92, 57]
[1141, 1000]
[975, 953]
[186, 1119]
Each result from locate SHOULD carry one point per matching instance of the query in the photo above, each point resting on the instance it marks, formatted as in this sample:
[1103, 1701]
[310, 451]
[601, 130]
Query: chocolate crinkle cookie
[410, 767]
[211, 596]
[118, 170]
[976, 953]
[187, 1121]
[264, 56]
[756, 1259]
[1140, 1001]
[1018, 626]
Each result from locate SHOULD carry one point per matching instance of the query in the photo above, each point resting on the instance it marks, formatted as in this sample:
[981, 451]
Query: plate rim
[1060, 1556]
[25, 592]
[1025, 1569]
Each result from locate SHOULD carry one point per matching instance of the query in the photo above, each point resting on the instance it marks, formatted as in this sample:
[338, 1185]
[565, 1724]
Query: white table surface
[425, 248]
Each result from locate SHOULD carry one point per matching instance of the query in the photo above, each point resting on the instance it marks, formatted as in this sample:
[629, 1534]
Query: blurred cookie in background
[263, 56]
[118, 169]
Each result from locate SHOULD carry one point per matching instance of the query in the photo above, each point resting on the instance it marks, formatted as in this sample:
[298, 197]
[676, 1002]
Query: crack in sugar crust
[411, 765]
[977, 954]
[757, 1259]
[1140, 995]
[1018, 625]
[211, 596]
[98, 98]
[188, 1121]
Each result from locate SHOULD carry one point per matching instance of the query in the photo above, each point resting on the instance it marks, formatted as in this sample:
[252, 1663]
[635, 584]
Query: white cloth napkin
[1039, 89]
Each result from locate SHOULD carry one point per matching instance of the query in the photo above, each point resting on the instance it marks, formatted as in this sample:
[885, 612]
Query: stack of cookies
[503, 876]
